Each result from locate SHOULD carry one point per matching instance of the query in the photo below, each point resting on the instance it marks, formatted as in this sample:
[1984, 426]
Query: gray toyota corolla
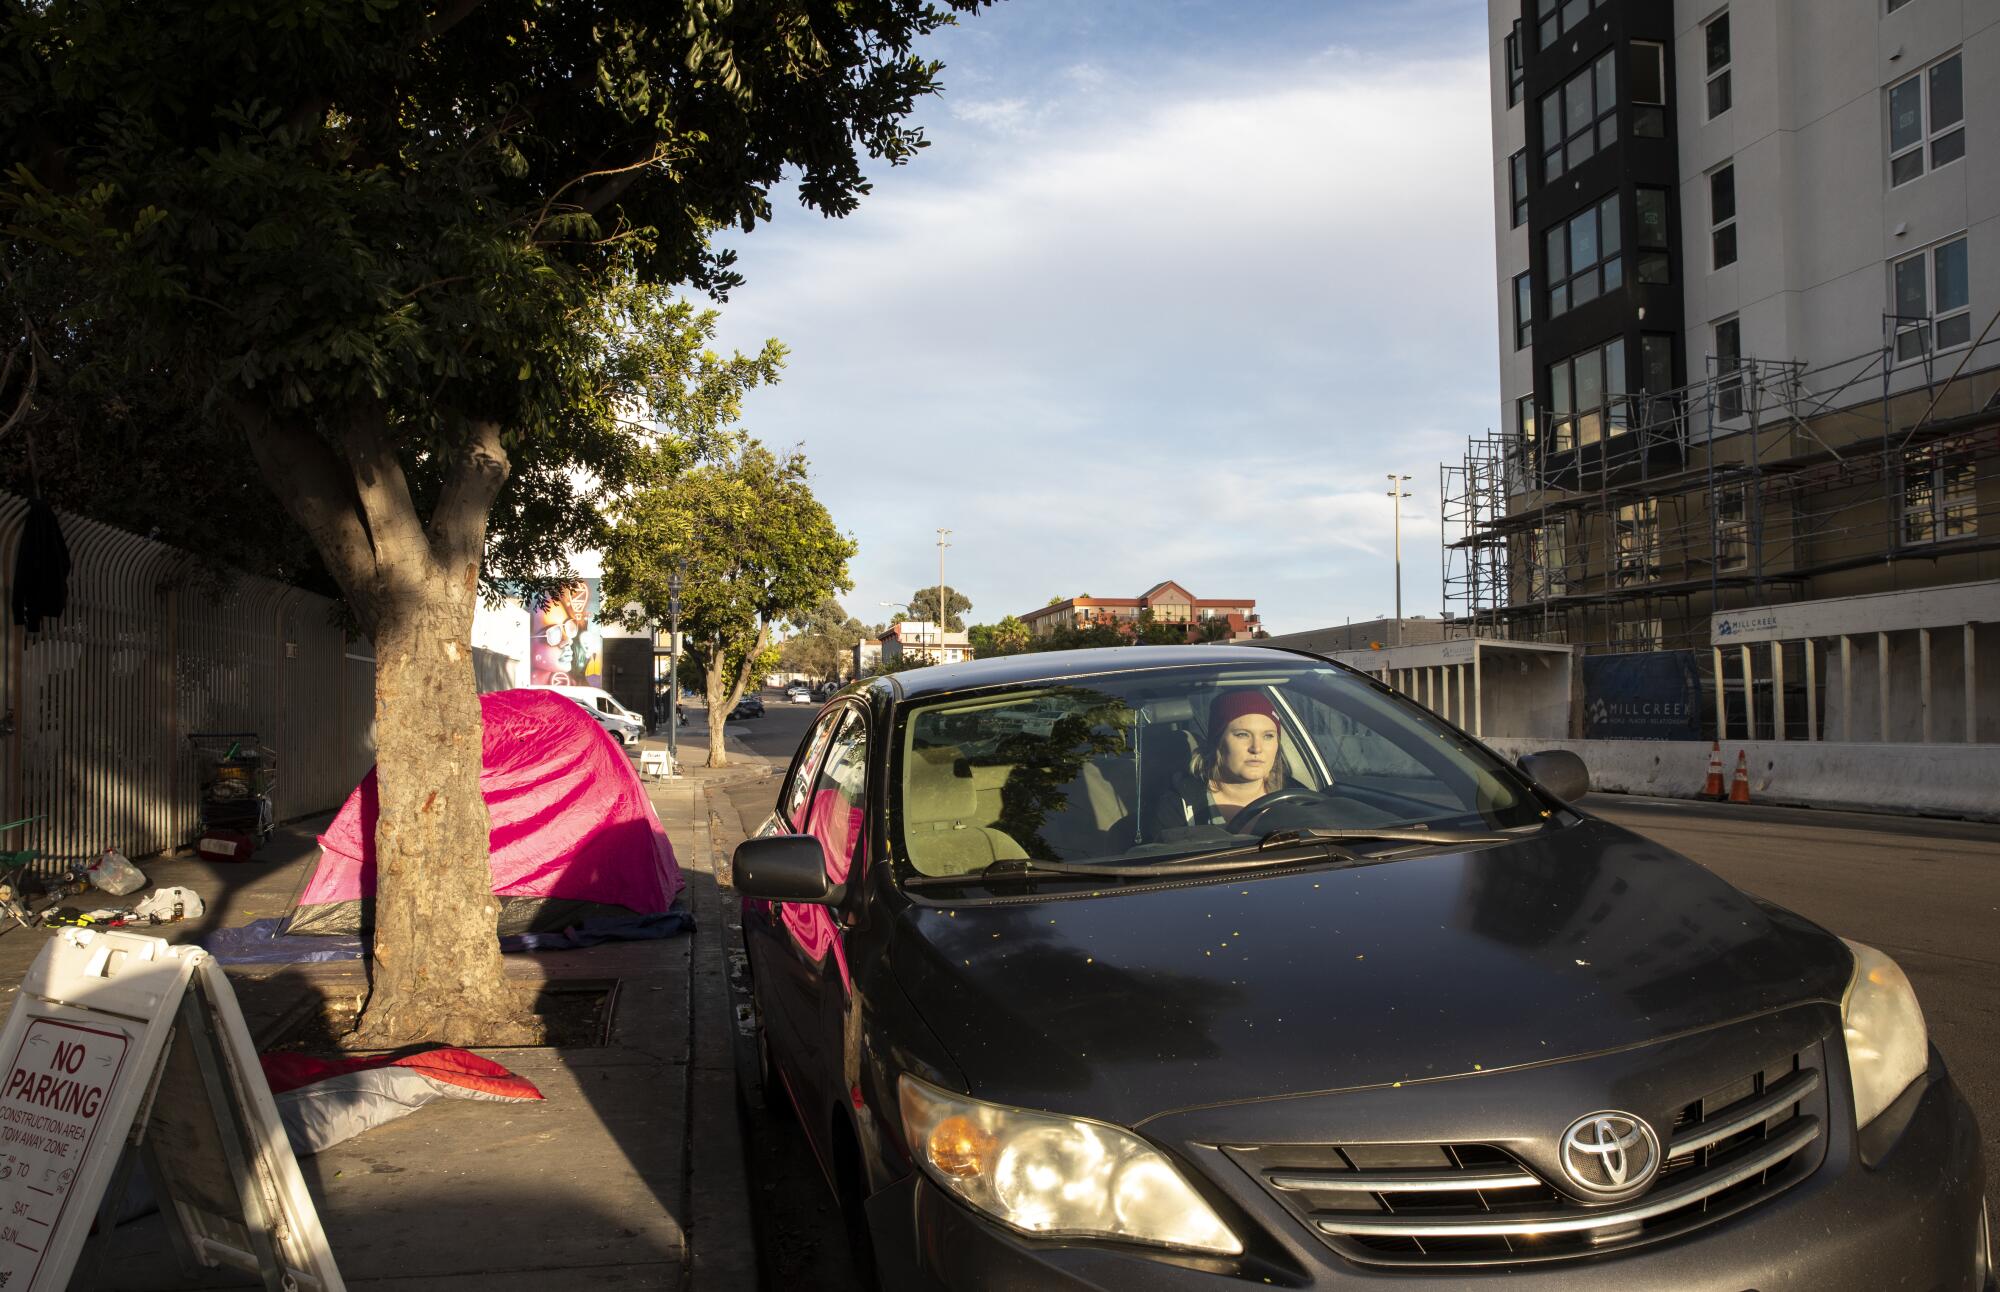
[1212, 967]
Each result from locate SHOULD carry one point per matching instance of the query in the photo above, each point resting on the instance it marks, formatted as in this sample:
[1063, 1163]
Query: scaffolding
[1624, 527]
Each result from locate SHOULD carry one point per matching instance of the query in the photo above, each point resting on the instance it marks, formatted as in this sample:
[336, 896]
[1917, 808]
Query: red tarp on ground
[572, 827]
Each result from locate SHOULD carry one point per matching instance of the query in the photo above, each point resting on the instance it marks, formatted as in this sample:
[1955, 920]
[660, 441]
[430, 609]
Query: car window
[833, 810]
[1126, 766]
[792, 803]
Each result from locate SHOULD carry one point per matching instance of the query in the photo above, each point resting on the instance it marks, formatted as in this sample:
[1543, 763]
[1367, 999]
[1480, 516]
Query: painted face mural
[565, 647]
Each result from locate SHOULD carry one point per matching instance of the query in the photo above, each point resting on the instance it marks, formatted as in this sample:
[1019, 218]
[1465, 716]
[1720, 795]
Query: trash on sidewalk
[116, 875]
[260, 942]
[324, 1102]
[167, 905]
[225, 845]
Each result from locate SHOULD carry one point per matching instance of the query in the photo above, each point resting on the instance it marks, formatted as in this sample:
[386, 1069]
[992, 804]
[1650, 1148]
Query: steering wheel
[1256, 809]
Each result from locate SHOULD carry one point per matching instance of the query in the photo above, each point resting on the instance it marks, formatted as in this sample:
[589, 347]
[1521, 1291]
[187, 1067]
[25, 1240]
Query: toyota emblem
[1610, 1154]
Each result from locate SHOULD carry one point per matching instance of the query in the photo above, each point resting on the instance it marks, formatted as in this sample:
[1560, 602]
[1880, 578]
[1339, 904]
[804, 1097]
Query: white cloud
[1176, 330]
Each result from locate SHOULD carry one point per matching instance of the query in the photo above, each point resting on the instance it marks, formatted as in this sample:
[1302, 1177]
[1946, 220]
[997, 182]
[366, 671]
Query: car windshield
[1162, 763]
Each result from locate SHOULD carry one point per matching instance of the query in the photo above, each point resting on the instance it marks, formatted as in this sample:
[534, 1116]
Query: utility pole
[674, 682]
[942, 535]
[1396, 495]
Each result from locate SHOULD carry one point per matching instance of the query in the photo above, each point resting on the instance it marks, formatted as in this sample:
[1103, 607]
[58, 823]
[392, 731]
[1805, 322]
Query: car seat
[941, 829]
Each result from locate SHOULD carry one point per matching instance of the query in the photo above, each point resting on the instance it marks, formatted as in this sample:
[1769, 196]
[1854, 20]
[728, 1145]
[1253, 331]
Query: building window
[1732, 528]
[1524, 423]
[1517, 70]
[1715, 42]
[1636, 634]
[1926, 111]
[1517, 186]
[1722, 216]
[1580, 117]
[1586, 396]
[1548, 560]
[1940, 496]
[1524, 310]
[1728, 366]
[1636, 542]
[1651, 264]
[1583, 260]
[1656, 361]
[1554, 17]
[1932, 300]
[1649, 90]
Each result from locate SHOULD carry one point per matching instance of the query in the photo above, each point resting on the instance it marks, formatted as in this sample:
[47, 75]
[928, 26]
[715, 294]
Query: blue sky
[1175, 286]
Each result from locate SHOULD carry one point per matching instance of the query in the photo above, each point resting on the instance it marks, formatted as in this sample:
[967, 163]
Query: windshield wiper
[1272, 849]
[1290, 840]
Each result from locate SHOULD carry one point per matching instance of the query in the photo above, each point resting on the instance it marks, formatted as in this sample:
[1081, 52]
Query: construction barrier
[1916, 780]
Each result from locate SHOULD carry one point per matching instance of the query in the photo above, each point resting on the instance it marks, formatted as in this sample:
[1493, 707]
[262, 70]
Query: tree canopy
[752, 545]
[924, 606]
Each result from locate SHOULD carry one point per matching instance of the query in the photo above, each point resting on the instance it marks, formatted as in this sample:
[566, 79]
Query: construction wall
[99, 703]
[1911, 780]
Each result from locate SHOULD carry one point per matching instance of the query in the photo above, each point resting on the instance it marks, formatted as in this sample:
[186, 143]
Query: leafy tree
[1055, 601]
[1008, 637]
[400, 252]
[824, 642]
[924, 606]
[754, 548]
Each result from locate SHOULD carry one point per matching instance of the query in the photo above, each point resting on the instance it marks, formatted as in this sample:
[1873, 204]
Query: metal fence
[152, 646]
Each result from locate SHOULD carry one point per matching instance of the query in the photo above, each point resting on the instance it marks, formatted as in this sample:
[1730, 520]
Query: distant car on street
[750, 706]
[799, 694]
[614, 717]
[1207, 967]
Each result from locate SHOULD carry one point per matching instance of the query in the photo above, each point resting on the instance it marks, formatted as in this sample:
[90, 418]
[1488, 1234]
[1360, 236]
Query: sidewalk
[630, 1173]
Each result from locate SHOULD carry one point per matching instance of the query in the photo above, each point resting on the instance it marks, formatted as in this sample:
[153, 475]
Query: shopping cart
[234, 779]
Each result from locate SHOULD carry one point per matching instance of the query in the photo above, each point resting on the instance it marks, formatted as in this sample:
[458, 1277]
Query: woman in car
[1240, 762]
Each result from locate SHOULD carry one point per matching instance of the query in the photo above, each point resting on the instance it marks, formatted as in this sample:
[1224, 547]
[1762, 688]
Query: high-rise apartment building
[1748, 271]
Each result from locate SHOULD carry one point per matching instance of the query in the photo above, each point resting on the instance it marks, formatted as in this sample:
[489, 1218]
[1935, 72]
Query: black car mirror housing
[1560, 772]
[783, 868]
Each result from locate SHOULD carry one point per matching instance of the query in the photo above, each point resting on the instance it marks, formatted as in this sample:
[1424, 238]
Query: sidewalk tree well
[402, 255]
[754, 548]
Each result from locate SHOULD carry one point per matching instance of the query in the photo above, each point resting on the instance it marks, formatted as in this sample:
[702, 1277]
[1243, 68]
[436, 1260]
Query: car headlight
[1046, 1174]
[1887, 1047]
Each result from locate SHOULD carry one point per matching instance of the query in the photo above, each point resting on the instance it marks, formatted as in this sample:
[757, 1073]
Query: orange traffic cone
[1739, 785]
[1712, 787]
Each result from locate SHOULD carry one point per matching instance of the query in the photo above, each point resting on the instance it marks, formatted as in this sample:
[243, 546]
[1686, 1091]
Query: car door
[811, 978]
[766, 936]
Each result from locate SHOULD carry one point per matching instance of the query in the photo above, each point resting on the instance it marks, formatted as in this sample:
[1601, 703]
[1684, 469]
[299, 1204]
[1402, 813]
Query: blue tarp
[260, 943]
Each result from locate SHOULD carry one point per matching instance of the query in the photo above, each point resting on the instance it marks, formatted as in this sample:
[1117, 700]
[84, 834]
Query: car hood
[1130, 1003]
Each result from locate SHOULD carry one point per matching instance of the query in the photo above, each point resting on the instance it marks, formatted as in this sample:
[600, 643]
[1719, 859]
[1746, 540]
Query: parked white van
[614, 717]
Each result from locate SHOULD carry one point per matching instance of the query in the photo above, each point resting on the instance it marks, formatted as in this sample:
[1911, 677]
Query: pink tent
[573, 833]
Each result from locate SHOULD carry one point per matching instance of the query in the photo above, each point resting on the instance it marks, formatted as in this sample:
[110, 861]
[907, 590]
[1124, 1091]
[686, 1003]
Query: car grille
[1478, 1204]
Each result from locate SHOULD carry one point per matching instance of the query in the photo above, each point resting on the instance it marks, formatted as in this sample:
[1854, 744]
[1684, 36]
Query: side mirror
[1558, 771]
[783, 868]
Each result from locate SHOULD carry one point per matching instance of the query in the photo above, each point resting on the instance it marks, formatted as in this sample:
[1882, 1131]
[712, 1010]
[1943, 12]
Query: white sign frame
[104, 1022]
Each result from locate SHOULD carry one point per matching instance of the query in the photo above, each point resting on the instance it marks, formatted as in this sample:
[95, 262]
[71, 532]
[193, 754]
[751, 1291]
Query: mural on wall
[564, 646]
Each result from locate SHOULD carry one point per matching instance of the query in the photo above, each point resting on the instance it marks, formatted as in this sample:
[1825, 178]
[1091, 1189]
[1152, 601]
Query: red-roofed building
[1169, 603]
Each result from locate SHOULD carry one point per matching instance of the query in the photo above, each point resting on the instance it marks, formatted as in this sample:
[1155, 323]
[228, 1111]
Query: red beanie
[1233, 704]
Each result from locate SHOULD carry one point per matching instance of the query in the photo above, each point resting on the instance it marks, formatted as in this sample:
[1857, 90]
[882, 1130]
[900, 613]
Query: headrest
[939, 786]
[1180, 709]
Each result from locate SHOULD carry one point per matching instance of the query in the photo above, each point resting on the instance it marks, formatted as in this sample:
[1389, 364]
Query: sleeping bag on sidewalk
[574, 836]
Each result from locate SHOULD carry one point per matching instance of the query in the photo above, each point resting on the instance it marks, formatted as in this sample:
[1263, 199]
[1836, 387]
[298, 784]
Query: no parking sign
[121, 1049]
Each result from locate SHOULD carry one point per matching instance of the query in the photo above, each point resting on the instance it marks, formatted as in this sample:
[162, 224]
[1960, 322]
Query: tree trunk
[719, 705]
[437, 968]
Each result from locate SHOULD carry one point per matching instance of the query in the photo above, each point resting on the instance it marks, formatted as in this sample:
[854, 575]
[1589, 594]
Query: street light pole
[1396, 496]
[942, 535]
[674, 682]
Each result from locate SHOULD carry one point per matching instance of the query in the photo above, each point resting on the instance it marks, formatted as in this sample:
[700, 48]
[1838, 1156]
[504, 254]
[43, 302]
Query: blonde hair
[1209, 765]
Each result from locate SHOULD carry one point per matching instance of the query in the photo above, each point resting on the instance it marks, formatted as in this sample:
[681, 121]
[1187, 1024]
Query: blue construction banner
[1647, 695]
